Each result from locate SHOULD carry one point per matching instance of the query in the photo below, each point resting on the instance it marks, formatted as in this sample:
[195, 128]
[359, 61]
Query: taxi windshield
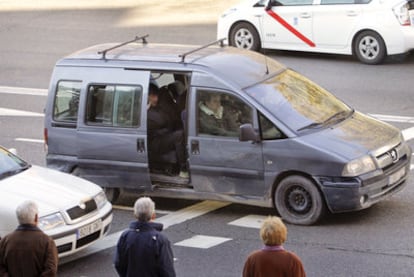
[298, 102]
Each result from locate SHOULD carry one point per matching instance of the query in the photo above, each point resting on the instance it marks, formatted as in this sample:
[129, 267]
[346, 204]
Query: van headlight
[100, 199]
[359, 166]
[51, 221]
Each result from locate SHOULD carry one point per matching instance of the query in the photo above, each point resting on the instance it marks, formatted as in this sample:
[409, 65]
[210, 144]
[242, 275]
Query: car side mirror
[247, 133]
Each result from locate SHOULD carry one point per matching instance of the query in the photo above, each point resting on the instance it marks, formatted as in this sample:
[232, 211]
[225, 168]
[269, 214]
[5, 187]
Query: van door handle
[140, 145]
[195, 147]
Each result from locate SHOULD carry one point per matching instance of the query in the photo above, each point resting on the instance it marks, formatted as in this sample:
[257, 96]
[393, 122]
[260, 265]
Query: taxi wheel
[244, 35]
[299, 201]
[369, 48]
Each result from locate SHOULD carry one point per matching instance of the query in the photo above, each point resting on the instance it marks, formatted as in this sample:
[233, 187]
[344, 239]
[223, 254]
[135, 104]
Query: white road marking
[12, 112]
[203, 242]
[408, 133]
[394, 118]
[23, 91]
[168, 220]
[30, 140]
[249, 221]
[131, 209]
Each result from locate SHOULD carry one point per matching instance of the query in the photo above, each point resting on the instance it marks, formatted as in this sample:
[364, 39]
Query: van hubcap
[298, 200]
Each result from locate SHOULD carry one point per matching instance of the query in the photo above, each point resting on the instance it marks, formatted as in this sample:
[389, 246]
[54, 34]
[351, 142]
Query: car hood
[50, 189]
[356, 136]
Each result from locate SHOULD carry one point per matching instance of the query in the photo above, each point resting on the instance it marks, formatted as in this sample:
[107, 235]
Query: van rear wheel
[298, 201]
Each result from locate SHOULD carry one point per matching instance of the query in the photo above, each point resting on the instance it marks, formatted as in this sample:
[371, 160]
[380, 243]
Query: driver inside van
[162, 138]
[214, 119]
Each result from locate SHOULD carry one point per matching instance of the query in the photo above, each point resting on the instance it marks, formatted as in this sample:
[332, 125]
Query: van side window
[221, 114]
[114, 105]
[66, 102]
[268, 130]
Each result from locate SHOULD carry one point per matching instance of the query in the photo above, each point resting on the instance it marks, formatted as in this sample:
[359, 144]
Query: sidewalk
[138, 12]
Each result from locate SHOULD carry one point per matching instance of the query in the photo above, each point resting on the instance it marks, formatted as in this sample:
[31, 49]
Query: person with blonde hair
[273, 260]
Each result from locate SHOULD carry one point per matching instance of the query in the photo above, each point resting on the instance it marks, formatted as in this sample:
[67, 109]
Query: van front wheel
[299, 201]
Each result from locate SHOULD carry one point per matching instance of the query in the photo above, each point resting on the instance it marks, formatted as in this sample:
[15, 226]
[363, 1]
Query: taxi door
[334, 23]
[287, 24]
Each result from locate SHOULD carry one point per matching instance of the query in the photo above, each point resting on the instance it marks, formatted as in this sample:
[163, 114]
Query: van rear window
[66, 102]
[114, 105]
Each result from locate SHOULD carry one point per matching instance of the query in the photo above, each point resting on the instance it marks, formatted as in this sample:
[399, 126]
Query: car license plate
[89, 229]
[395, 177]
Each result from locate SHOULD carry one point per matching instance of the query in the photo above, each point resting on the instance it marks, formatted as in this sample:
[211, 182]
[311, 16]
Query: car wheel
[370, 48]
[299, 201]
[244, 35]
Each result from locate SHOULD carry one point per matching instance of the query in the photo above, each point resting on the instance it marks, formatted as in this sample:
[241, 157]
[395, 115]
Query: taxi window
[114, 105]
[66, 104]
[337, 2]
[292, 2]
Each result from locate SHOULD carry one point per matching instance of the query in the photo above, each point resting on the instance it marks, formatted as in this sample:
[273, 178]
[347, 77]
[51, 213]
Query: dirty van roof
[243, 66]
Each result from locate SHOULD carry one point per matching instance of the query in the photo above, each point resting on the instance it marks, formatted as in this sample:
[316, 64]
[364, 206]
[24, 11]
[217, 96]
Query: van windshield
[298, 102]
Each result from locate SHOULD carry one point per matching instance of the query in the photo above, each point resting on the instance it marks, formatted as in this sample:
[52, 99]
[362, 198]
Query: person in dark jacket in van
[143, 250]
[163, 137]
[214, 119]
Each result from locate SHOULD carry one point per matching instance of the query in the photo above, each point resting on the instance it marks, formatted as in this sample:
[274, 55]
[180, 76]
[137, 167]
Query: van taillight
[402, 12]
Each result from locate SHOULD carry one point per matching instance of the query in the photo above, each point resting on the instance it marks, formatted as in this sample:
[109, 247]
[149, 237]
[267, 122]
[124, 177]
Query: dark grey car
[297, 147]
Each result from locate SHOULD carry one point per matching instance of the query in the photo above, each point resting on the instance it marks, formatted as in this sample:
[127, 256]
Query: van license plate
[89, 229]
[395, 177]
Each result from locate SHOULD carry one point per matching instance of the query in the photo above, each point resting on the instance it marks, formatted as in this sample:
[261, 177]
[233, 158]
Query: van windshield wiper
[337, 116]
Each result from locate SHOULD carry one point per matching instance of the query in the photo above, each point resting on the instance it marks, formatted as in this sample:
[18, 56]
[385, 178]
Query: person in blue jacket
[142, 250]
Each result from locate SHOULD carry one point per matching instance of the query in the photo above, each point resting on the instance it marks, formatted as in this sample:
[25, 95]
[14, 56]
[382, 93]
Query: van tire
[244, 35]
[298, 201]
[369, 48]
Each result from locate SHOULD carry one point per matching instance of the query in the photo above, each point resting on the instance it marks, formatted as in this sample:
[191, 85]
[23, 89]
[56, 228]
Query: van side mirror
[247, 133]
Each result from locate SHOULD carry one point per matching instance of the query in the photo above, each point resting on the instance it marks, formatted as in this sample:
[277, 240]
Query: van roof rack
[143, 38]
[220, 41]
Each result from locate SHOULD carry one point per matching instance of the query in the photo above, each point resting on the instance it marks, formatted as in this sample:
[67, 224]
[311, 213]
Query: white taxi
[369, 29]
[73, 211]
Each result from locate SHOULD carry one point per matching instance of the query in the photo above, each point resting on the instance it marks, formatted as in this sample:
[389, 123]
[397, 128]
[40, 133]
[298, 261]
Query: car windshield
[10, 164]
[298, 102]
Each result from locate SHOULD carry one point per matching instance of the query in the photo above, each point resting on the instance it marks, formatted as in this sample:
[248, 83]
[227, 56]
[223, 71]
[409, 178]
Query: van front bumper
[352, 194]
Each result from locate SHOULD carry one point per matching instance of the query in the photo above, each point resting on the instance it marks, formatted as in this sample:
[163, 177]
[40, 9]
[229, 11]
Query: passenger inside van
[165, 141]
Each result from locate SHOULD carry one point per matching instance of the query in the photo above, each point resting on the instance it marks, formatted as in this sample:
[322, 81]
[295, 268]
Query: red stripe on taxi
[290, 28]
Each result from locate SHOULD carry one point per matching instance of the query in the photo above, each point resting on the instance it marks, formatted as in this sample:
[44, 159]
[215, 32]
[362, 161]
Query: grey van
[296, 146]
